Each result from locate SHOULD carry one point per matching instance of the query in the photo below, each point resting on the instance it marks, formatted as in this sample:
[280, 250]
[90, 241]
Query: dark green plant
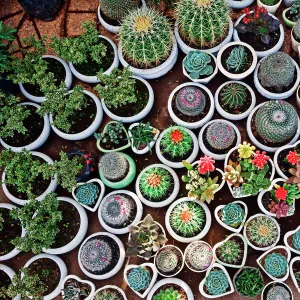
[6, 35]
[295, 11]
[236, 59]
[118, 9]
[118, 88]
[233, 95]
[114, 133]
[297, 276]
[229, 252]
[142, 134]
[40, 220]
[73, 292]
[270, 2]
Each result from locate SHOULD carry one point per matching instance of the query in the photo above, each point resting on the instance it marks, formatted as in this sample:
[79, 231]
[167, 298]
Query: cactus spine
[233, 95]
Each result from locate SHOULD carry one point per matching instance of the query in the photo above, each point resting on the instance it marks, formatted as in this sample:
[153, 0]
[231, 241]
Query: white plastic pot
[81, 231]
[295, 259]
[141, 115]
[229, 116]
[298, 89]
[239, 4]
[186, 49]
[276, 96]
[113, 287]
[207, 151]
[255, 141]
[39, 141]
[51, 188]
[138, 216]
[62, 268]
[285, 240]
[168, 200]
[177, 165]
[197, 124]
[295, 44]
[188, 239]
[10, 273]
[87, 132]
[94, 79]
[270, 8]
[263, 296]
[68, 81]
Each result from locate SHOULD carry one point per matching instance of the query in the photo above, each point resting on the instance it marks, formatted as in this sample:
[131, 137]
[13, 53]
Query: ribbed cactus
[233, 95]
[220, 135]
[296, 240]
[167, 260]
[203, 23]
[276, 71]
[190, 101]
[276, 265]
[276, 121]
[87, 193]
[229, 252]
[139, 279]
[232, 214]
[216, 282]
[146, 38]
[118, 9]
[236, 59]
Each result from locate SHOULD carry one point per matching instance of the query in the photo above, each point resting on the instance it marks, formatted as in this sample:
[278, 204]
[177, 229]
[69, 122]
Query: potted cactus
[291, 14]
[191, 105]
[270, 5]
[275, 290]
[191, 33]
[110, 291]
[295, 36]
[273, 124]
[292, 240]
[141, 47]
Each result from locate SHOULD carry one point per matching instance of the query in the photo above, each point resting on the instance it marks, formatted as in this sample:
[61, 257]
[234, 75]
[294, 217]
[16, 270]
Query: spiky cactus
[276, 71]
[203, 23]
[276, 265]
[167, 260]
[229, 252]
[108, 294]
[236, 59]
[190, 101]
[278, 291]
[233, 214]
[146, 38]
[233, 95]
[276, 121]
[216, 282]
[199, 256]
[87, 193]
[139, 279]
[296, 240]
[118, 9]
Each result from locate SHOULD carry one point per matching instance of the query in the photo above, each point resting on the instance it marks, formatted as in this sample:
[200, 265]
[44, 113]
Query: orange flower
[176, 136]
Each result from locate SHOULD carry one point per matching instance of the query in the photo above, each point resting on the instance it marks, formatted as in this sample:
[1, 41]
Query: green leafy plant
[6, 35]
[168, 294]
[229, 252]
[276, 265]
[236, 59]
[270, 2]
[295, 11]
[87, 193]
[114, 133]
[142, 134]
[233, 95]
[216, 282]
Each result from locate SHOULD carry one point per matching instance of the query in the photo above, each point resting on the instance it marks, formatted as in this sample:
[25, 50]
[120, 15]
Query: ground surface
[68, 24]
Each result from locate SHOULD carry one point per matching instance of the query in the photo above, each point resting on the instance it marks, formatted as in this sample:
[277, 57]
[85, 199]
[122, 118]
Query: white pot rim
[285, 240]
[270, 8]
[276, 282]
[111, 287]
[297, 285]
[10, 273]
[240, 4]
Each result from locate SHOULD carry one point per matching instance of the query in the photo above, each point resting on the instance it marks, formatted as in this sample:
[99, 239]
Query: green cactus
[146, 38]
[198, 64]
[276, 265]
[278, 291]
[107, 294]
[216, 282]
[118, 9]
[168, 294]
[296, 240]
[276, 71]
[139, 279]
[229, 252]
[87, 193]
[295, 11]
[233, 214]
[167, 260]
[203, 23]
[236, 59]
[276, 121]
[233, 95]
[296, 30]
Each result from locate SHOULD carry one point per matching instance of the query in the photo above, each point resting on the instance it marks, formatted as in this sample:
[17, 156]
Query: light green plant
[236, 59]
[233, 95]
[6, 35]
[168, 294]
[276, 265]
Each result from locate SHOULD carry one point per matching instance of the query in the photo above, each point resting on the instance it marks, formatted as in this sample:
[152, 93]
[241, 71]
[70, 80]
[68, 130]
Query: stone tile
[83, 5]
[8, 7]
[74, 21]
[14, 21]
[27, 29]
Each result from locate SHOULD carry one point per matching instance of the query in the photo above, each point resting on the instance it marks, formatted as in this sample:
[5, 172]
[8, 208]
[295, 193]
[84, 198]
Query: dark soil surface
[5, 281]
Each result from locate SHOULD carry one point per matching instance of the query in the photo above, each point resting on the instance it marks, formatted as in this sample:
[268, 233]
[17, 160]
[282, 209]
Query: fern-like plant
[6, 35]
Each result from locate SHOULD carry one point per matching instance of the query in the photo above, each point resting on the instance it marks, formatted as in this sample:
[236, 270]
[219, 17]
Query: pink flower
[206, 164]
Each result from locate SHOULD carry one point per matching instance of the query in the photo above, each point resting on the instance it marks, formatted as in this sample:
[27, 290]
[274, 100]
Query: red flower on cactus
[281, 193]
[206, 164]
[293, 157]
[280, 209]
[260, 159]
[246, 11]
[176, 136]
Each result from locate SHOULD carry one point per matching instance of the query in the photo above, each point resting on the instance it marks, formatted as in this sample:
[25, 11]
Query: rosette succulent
[276, 265]
[87, 193]
[233, 214]
[168, 294]
[236, 59]
[296, 240]
[216, 282]
[139, 279]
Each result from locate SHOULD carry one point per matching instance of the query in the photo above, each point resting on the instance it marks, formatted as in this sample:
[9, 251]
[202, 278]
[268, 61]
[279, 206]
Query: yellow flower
[246, 150]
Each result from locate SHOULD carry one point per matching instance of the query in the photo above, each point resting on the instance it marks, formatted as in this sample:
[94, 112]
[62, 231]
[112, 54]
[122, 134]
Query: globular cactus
[203, 23]
[233, 214]
[216, 282]
[113, 166]
[296, 30]
[296, 240]
[168, 294]
[190, 101]
[146, 38]
[118, 9]
[139, 279]
[276, 121]
[167, 260]
[200, 256]
[276, 71]
[220, 135]
[87, 193]
[276, 265]
[236, 59]
[229, 252]
[107, 294]
[278, 292]
[233, 95]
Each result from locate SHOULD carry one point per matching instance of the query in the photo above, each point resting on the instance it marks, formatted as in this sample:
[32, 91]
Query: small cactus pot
[287, 21]
[270, 8]
[10, 273]
[68, 80]
[295, 44]
[292, 272]
[274, 284]
[111, 287]
[239, 4]
[288, 242]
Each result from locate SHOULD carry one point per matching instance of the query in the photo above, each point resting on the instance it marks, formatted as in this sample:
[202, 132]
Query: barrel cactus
[233, 214]
[87, 193]
[229, 252]
[236, 59]
[276, 265]
[118, 9]
[146, 38]
[199, 256]
[168, 294]
[296, 240]
[190, 101]
[216, 282]
[233, 95]
[139, 279]
[276, 71]
[203, 23]
[276, 122]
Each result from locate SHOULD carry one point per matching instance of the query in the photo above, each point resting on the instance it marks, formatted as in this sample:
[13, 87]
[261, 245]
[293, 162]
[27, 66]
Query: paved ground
[68, 24]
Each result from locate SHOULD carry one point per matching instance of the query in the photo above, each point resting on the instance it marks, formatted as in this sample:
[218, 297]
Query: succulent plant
[117, 210]
[229, 252]
[246, 150]
[276, 121]
[276, 71]
[155, 183]
[167, 260]
[233, 215]
[220, 136]
[118, 9]
[216, 282]
[187, 218]
[236, 59]
[139, 279]
[190, 101]
[203, 23]
[113, 166]
[296, 240]
[146, 37]
[199, 256]
[197, 63]
[73, 292]
[114, 133]
[296, 30]
[87, 193]
[168, 294]
[142, 135]
[276, 265]
[107, 294]
[233, 174]
[233, 95]
[295, 11]
[278, 292]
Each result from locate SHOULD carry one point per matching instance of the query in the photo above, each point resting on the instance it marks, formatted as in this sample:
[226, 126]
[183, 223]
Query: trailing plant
[233, 95]
[276, 265]
[229, 252]
[142, 135]
[216, 282]
[295, 11]
[107, 295]
[296, 28]
[233, 215]
[40, 220]
[114, 133]
[87, 193]
[296, 240]
[168, 294]
[198, 63]
[139, 279]
[146, 37]
[6, 35]
[145, 238]
[167, 260]
[118, 88]
[237, 59]
[73, 292]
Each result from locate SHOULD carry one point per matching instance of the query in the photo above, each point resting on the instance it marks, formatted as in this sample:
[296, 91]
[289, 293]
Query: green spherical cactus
[233, 214]
[203, 23]
[229, 252]
[296, 240]
[118, 9]
[276, 265]
[87, 193]
[146, 38]
[276, 71]
[276, 122]
[139, 279]
[233, 95]
[168, 294]
[216, 282]
[236, 59]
